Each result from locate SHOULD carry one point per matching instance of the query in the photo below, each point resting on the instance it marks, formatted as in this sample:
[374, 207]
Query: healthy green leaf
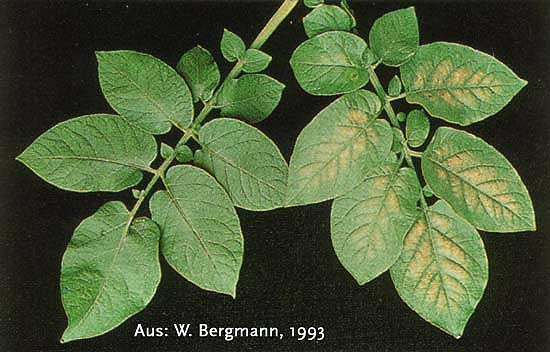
[344, 4]
[417, 128]
[457, 83]
[110, 271]
[327, 18]
[398, 138]
[330, 63]
[166, 150]
[91, 153]
[251, 97]
[313, 3]
[232, 46]
[145, 90]
[477, 181]
[394, 87]
[335, 150]
[401, 116]
[201, 233]
[394, 37]
[368, 57]
[245, 162]
[184, 154]
[442, 271]
[200, 71]
[427, 191]
[255, 60]
[369, 223]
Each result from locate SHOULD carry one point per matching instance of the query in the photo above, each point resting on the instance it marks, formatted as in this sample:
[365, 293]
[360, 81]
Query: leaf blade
[200, 71]
[326, 18]
[255, 60]
[232, 46]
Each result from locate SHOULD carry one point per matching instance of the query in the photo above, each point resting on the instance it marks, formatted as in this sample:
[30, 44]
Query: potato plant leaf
[457, 83]
[255, 60]
[327, 18]
[442, 271]
[200, 71]
[91, 153]
[369, 223]
[313, 3]
[245, 162]
[334, 151]
[184, 154]
[232, 46]
[145, 90]
[330, 63]
[201, 234]
[251, 97]
[394, 87]
[394, 37]
[477, 181]
[110, 271]
[417, 128]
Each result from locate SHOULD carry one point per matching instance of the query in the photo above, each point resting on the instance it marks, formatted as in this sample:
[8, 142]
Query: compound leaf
[201, 233]
[417, 128]
[245, 162]
[110, 271]
[369, 223]
[457, 83]
[477, 181]
[334, 151]
[255, 60]
[251, 97]
[330, 63]
[394, 37]
[200, 71]
[442, 271]
[232, 46]
[327, 18]
[91, 153]
[145, 90]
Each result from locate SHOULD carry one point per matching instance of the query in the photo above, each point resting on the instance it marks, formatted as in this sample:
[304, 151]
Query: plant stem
[266, 32]
[383, 97]
[415, 154]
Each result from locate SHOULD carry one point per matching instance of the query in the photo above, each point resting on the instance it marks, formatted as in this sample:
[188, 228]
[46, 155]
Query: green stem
[415, 154]
[383, 97]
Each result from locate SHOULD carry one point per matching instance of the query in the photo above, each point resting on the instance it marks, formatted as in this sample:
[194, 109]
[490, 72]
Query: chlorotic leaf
[313, 3]
[145, 90]
[442, 271]
[184, 154]
[394, 37]
[110, 271]
[201, 234]
[335, 150]
[232, 46]
[245, 162]
[327, 18]
[457, 83]
[200, 71]
[394, 87]
[477, 181]
[417, 128]
[251, 97]
[255, 60]
[91, 153]
[330, 63]
[369, 223]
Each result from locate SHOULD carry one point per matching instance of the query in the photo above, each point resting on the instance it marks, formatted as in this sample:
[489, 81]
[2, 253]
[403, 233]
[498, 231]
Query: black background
[290, 275]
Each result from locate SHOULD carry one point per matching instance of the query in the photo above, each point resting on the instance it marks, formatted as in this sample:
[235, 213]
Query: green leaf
[327, 18]
[245, 162]
[91, 153]
[369, 223]
[394, 37]
[251, 97]
[401, 116]
[477, 181]
[184, 154]
[145, 90]
[417, 128]
[232, 46]
[427, 191]
[255, 60]
[313, 3]
[335, 150]
[442, 271]
[166, 151]
[110, 271]
[457, 83]
[136, 193]
[394, 87]
[201, 233]
[330, 63]
[200, 71]
[398, 138]
[368, 57]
